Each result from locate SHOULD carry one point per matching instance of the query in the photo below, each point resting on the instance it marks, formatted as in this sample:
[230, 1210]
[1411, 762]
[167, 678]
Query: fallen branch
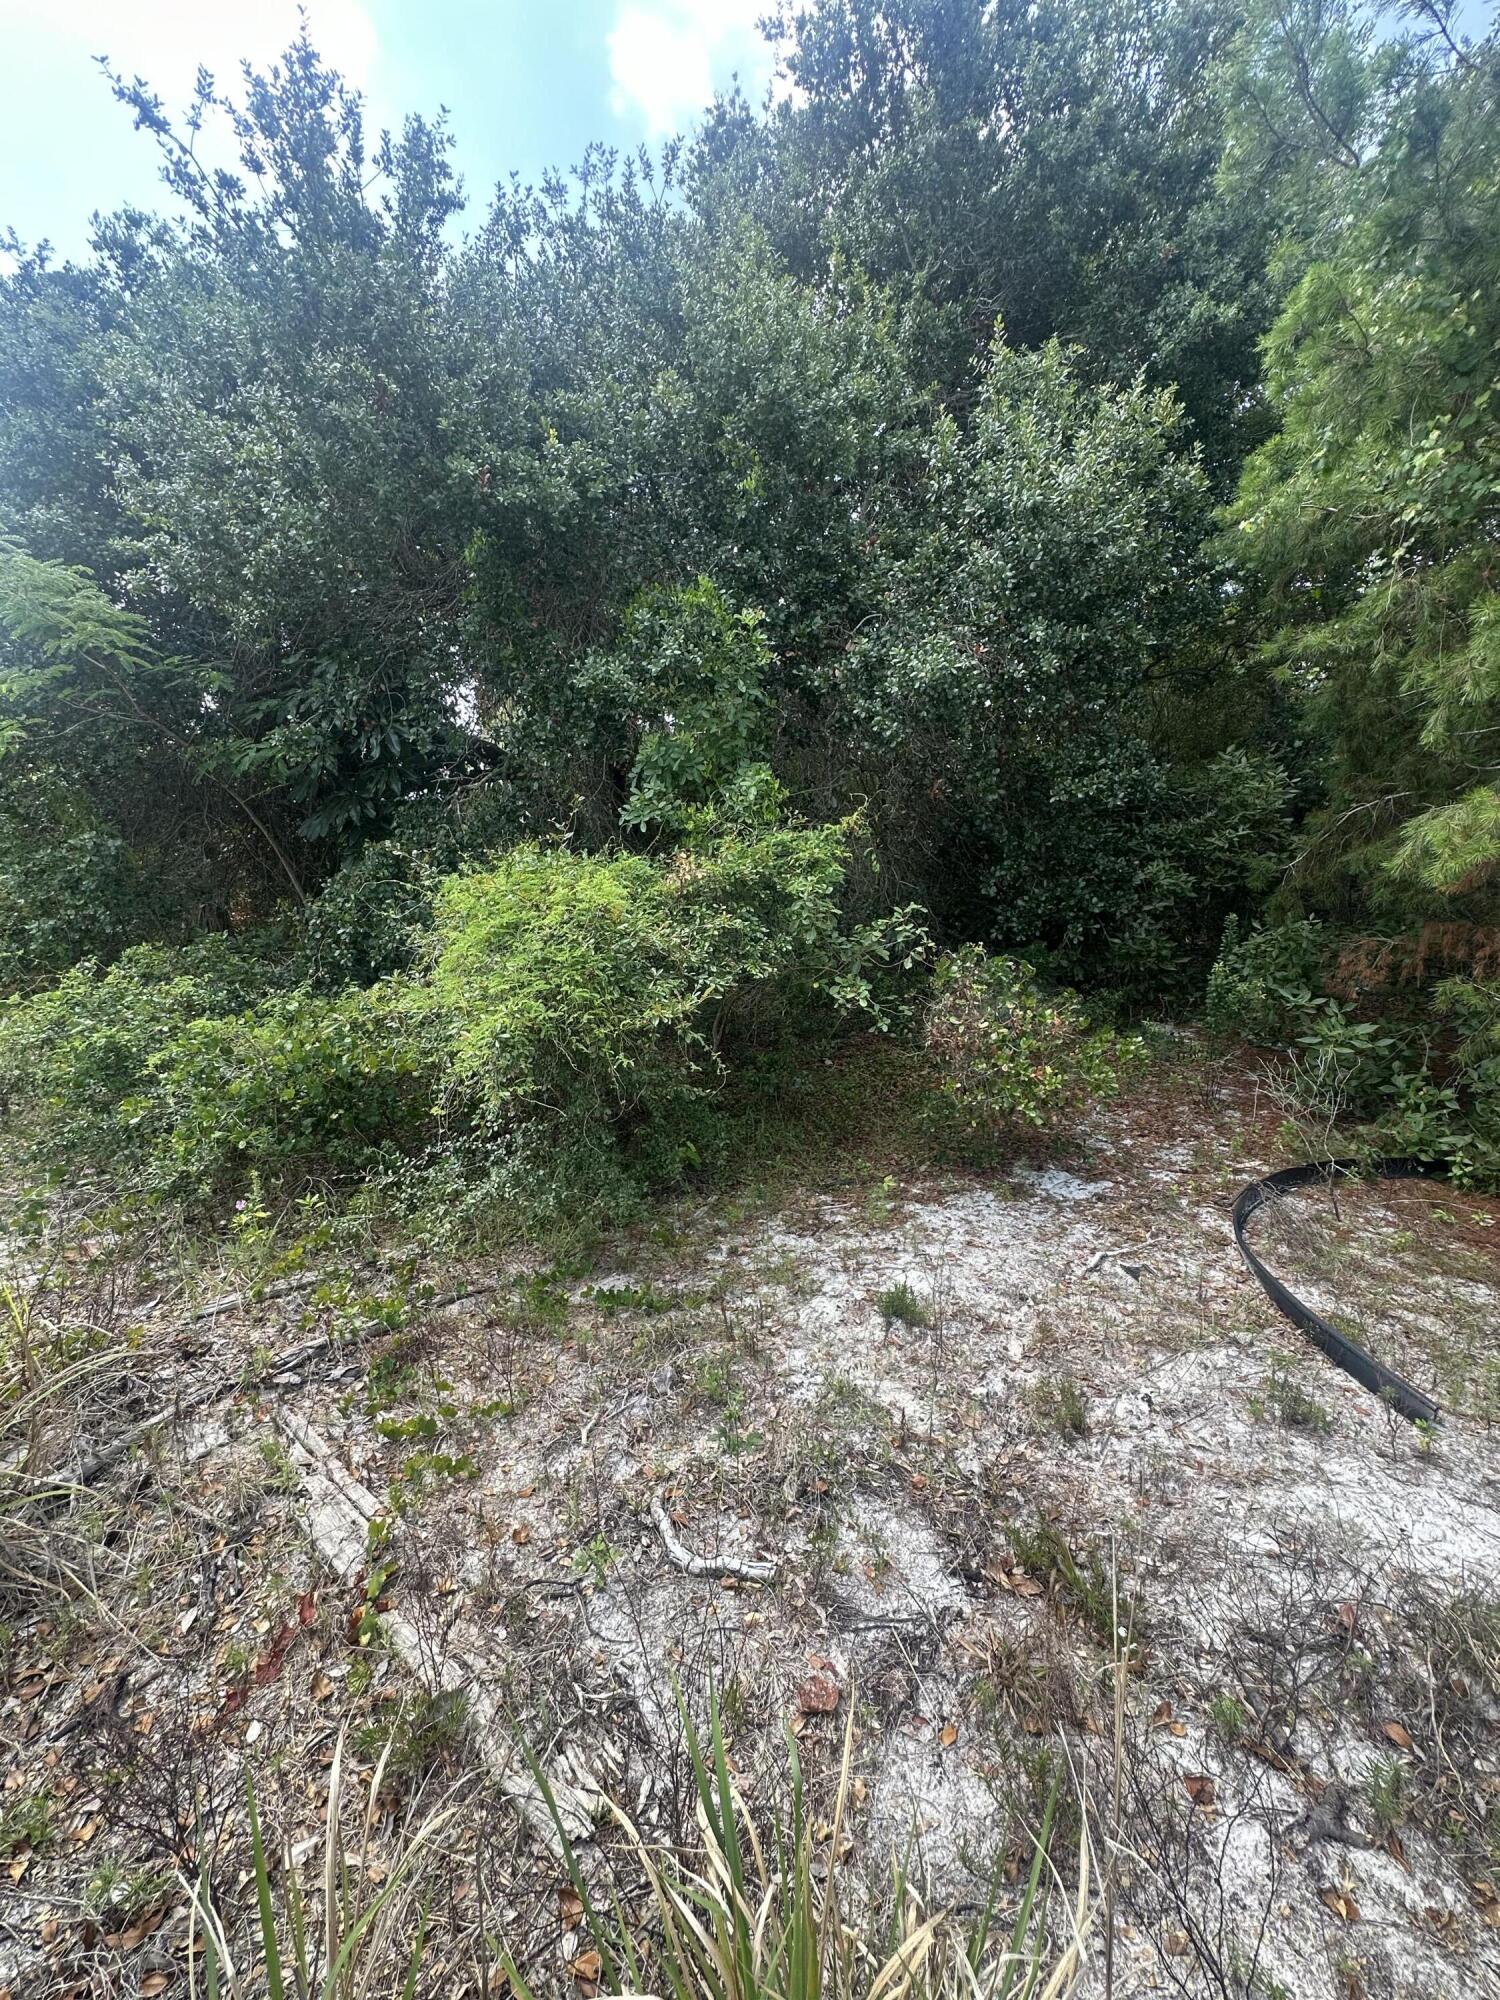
[339, 1511]
[286, 1288]
[1123, 1250]
[208, 1394]
[745, 1569]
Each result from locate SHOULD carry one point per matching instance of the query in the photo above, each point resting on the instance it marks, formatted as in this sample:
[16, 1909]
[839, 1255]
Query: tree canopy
[1058, 440]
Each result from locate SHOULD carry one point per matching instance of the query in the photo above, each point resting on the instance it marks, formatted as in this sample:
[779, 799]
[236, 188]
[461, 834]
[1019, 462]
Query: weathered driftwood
[745, 1569]
[339, 1511]
[207, 1394]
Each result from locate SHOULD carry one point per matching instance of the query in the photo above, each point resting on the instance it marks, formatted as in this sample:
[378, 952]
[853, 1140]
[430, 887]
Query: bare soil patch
[994, 1433]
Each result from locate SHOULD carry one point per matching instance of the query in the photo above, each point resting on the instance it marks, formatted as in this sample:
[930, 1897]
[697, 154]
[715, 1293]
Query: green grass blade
[275, 1985]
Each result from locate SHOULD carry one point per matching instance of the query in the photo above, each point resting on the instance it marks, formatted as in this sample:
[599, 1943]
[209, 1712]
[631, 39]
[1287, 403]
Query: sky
[527, 82]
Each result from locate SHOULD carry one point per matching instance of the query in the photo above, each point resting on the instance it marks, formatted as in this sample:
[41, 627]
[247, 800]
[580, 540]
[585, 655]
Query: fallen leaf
[137, 1932]
[1394, 1732]
[268, 1667]
[520, 1536]
[322, 1687]
[1161, 1714]
[569, 1905]
[154, 1983]
[818, 1695]
[587, 1965]
[948, 1735]
[1201, 1791]
[1341, 1903]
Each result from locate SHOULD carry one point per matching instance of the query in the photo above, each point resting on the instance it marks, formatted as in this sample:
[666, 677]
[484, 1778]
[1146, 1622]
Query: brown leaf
[137, 1932]
[1341, 1903]
[307, 1607]
[1161, 1715]
[268, 1667]
[154, 1983]
[1395, 1732]
[520, 1536]
[322, 1687]
[948, 1735]
[587, 1966]
[569, 1905]
[1200, 1790]
[818, 1695]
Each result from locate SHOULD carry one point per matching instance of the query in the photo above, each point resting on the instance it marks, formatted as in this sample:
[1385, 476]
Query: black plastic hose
[1350, 1356]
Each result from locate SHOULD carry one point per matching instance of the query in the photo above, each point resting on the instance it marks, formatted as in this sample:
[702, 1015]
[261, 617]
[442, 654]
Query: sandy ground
[995, 1433]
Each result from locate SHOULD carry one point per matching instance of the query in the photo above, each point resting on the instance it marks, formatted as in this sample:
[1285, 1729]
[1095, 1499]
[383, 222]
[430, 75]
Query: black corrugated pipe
[1350, 1356]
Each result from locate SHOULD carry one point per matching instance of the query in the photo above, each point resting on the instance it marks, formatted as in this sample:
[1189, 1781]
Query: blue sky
[528, 82]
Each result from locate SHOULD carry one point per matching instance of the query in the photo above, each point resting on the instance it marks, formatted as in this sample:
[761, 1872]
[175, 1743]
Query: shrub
[71, 1056]
[1012, 1057]
[301, 1087]
[369, 920]
[183, 1072]
[1262, 983]
[587, 1007]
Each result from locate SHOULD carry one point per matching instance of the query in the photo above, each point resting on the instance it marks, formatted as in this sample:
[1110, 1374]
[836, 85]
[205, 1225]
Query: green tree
[1367, 527]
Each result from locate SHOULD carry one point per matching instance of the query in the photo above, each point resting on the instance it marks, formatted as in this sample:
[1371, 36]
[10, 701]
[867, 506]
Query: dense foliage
[469, 693]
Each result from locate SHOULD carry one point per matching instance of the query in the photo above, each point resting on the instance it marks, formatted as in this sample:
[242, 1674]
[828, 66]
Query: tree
[1050, 169]
[1368, 525]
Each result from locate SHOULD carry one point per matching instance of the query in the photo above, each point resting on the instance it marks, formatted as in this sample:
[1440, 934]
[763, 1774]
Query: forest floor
[999, 1434]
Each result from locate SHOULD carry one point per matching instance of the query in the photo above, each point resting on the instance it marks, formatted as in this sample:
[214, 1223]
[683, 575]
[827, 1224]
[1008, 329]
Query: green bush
[302, 1087]
[1012, 1057]
[369, 919]
[182, 1072]
[588, 1007]
[73, 1055]
[1262, 983]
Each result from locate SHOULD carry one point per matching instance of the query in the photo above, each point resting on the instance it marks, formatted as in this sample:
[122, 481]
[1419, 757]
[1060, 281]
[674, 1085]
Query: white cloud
[165, 40]
[666, 57]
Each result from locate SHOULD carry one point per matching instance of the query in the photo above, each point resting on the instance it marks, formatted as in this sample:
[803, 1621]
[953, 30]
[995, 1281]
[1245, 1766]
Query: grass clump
[752, 1919]
[1087, 1581]
[899, 1304]
[1287, 1403]
[348, 1938]
[1059, 1406]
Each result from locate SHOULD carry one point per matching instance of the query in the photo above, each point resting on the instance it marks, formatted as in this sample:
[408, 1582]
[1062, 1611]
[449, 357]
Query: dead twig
[745, 1569]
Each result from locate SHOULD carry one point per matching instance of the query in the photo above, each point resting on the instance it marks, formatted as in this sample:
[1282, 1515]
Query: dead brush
[752, 1922]
[50, 1371]
[352, 1939]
